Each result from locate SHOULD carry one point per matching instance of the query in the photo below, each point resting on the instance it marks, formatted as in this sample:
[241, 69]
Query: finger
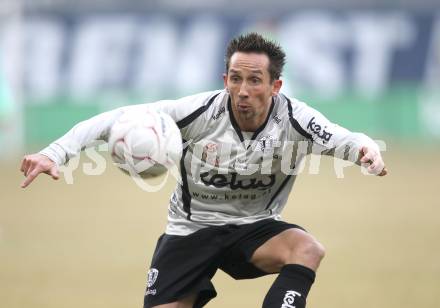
[383, 172]
[373, 170]
[27, 165]
[362, 153]
[29, 178]
[28, 168]
[368, 157]
[365, 159]
[377, 166]
[23, 162]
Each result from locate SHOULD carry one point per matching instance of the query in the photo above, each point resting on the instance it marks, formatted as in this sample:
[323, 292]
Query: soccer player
[225, 213]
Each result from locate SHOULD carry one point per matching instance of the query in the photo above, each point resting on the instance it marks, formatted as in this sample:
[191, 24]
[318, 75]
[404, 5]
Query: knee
[290, 247]
[308, 249]
[313, 248]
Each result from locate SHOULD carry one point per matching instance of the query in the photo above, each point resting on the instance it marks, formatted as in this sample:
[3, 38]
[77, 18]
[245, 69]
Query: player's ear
[276, 87]
[225, 80]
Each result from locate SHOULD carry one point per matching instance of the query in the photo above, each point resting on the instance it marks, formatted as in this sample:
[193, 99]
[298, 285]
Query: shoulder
[293, 114]
[291, 105]
[201, 99]
[205, 106]
[188, 108]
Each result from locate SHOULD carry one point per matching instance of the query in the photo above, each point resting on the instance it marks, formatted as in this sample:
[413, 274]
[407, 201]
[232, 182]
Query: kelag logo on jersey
[224, 180]
[319, 131]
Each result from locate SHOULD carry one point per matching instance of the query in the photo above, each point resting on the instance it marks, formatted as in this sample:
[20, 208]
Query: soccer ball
[145, 143]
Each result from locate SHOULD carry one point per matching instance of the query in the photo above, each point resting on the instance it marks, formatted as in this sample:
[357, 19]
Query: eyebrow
[253, 71]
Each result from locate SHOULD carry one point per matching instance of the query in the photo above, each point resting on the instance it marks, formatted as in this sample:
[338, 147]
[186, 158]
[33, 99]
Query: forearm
[345, 145]
[350, 145]
[82, 135]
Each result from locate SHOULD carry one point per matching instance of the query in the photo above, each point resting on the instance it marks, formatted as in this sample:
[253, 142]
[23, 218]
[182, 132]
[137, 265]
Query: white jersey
[229, 176]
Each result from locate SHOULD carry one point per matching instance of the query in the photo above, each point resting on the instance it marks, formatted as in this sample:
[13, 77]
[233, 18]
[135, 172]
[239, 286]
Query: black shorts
[185, 265]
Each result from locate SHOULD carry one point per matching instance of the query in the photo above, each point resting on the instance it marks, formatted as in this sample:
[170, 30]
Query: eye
[255, 80]
[235, 78]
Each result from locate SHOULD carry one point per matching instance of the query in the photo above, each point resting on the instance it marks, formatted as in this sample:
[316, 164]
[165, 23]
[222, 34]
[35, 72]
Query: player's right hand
[34, 164]
[374, 161]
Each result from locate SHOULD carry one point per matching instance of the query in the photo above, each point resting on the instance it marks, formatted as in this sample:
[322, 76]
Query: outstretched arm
[331, 139]
[87, 132]
[69, 145]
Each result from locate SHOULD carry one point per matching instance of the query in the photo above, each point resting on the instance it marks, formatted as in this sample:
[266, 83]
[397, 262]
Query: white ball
[146, 143]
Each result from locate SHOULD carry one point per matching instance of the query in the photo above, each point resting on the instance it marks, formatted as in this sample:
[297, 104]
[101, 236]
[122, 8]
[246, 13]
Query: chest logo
[223, 180]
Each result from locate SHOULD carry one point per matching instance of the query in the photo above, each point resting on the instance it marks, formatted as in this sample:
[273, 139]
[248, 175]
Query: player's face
[251, 90]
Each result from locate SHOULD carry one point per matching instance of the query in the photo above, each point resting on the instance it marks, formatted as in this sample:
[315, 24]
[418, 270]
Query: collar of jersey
[237, 128]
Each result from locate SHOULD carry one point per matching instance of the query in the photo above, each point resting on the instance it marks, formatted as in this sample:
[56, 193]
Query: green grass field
[89, 244]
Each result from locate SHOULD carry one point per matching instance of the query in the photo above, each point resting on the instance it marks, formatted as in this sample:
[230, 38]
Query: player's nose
[243, 90]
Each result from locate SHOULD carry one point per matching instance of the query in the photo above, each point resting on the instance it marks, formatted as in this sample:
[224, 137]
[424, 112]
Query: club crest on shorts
[152, 276]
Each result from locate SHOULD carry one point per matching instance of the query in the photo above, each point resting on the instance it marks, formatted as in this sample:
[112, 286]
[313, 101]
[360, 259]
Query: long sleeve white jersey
[229, 176]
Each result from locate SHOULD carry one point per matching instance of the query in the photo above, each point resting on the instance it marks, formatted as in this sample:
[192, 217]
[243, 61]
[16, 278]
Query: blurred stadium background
[371, 66]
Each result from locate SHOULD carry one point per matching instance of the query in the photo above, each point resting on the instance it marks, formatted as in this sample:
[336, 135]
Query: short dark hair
[254, 42]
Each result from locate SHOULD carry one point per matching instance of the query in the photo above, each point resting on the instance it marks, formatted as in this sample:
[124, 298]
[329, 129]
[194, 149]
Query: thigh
[236, 261]
[182, 267]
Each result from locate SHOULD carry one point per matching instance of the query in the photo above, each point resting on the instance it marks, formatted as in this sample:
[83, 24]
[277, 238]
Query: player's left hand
[374, 160]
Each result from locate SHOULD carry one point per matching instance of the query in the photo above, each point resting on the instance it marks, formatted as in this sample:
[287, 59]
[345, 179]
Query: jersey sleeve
[329, 138]
[81, 136]
[97, 128]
